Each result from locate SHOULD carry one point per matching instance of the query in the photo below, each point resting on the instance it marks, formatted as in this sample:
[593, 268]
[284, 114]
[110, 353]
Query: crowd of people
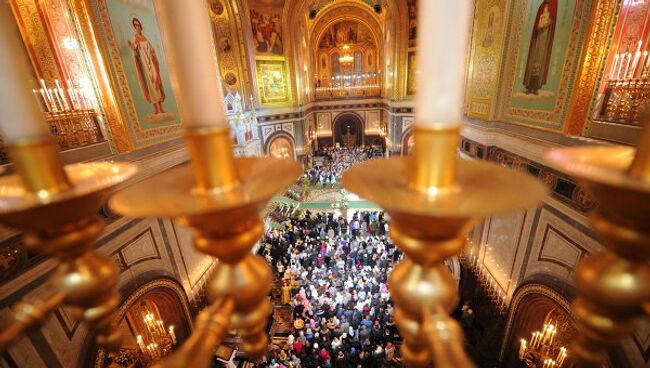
[334, 277]
[330, 163]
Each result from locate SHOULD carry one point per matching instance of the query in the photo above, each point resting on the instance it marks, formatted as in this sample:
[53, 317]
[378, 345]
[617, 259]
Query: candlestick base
[65, 225]
[432, 201]
[612, 285]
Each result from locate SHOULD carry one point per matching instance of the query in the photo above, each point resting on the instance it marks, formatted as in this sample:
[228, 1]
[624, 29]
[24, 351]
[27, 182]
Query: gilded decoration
[128, 32]
[107, 97]
[546, 38]
[226, 45]
[485, 58]
[36, 37]
[585, 95]
[272, 81]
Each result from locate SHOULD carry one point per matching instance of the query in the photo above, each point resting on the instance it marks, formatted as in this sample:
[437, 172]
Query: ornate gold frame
[601, 27]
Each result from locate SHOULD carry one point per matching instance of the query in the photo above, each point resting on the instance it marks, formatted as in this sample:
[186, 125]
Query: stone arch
[171, 298]
[406, 143]
[356, 126]
[281, 138]
[529, 306]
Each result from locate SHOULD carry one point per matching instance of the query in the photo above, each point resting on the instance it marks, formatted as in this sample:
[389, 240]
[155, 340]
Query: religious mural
[226, 45]
[266, 25]
[137, 64]
[413, 21]
[485, 58]
[410, 75]
[271, 81]
[346, 33]
[545, 40]
[345, 38]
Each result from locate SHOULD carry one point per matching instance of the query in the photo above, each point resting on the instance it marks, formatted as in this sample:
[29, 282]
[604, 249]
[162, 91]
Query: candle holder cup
[57, 209]
[220, 197]
[433, 199]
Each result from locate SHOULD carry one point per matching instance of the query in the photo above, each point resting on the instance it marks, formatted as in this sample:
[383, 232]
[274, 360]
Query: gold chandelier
[157, 341]
[543, 350]
[346, 58]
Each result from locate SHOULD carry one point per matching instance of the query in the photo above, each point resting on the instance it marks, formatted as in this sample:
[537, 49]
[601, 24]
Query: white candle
[443, 36]
[187, 34]
[642, 63]
[64, 99]
[627, 65]
[20, 115]
[612, 72]
[48, 103]
[57, 99]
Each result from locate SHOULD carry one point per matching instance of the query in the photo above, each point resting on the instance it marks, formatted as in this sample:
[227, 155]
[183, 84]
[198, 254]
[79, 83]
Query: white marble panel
[502, 243]
[140, 249]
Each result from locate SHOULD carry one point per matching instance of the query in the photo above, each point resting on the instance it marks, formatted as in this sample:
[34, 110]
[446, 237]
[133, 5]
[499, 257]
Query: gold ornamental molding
[599, 33]
[105, 92]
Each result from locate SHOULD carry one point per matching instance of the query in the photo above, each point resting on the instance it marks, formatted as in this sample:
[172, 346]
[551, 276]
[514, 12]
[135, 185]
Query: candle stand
[613, 286]
[57, 209]
[433, 199]
[221, 199]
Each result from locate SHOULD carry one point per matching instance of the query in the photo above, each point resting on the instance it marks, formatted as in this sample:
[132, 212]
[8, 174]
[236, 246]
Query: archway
[280, 145]
[407, 142]
[166, 301]
[348, 130]
[531, 304]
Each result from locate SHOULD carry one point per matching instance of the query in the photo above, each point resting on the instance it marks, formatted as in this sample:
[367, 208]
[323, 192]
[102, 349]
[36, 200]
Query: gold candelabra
[625, 99]
[543, 350]
[433, 199]
[613, 286]
[221, 198]
[57, 209]
[157, 341]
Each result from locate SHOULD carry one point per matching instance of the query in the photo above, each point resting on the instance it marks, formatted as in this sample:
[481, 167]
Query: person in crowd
[333, 161]
[337, 290]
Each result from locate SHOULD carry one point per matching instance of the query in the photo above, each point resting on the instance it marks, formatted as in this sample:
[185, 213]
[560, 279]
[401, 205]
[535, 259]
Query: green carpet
[328, 205]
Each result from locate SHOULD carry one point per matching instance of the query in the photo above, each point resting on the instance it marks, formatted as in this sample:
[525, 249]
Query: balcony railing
[326, 93]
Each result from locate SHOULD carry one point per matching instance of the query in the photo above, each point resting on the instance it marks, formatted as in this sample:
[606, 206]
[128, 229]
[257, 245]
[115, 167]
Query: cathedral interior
[325, 183]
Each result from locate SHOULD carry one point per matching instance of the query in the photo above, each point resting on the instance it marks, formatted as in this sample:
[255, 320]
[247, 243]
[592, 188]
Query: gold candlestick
[433, 199]
[221, 198]
[57, 208]
[613, 286]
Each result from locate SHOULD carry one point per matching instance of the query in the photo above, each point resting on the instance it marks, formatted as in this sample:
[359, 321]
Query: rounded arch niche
[281, 145]
[346, 41]
[166, 299]
[348, 130]
[530, 305]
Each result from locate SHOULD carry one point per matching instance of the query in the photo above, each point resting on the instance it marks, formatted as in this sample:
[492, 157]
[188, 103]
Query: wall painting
[485, 58]
[272, 81]
[129, 31]
[413, 21]
[410, 75]
[546, 37]
[266, 25]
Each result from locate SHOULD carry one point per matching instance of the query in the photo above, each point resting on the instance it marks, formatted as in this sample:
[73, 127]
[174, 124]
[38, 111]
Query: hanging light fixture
[346, 58]
[543, 350]
[157, 341]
